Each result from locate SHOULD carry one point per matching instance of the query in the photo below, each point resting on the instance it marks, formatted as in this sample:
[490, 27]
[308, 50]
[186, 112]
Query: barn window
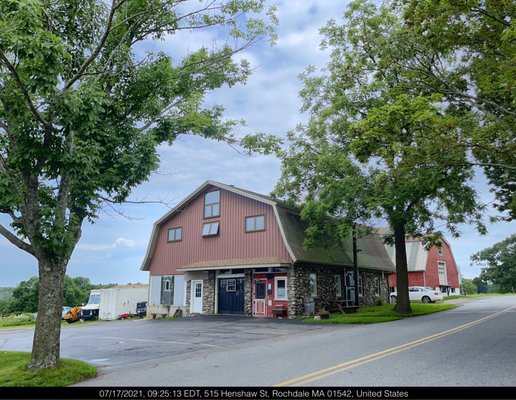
[212, 204]
[255, 224]
[210, 229]
[313, 284]
[338, 286]
[175, 234]
[376, 286]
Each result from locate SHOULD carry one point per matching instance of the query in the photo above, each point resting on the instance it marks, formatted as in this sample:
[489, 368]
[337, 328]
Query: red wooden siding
[416, 278]
[430, 277]
[432, 273]
[232, 243]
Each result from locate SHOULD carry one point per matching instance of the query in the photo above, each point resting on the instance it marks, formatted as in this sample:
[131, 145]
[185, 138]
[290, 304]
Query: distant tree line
[24, 297]
[498, 262]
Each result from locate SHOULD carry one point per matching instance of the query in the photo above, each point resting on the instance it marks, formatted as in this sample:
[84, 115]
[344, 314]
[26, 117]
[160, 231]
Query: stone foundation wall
[188, 288]
[370, 297]
[248, 292]
[299, 287]
[208, 300]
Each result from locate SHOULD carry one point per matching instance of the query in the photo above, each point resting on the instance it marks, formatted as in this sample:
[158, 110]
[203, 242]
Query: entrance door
[260, 298]
[231, 296]
[196, 297]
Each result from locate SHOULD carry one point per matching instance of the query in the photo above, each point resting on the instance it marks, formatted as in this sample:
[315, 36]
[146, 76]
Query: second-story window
[254, 224]
[440, 250]
[175, 234]
[212, 204]
[210, 229]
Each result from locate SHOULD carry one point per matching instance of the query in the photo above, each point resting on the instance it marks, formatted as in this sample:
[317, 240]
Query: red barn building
[435, 268]
[225, 250]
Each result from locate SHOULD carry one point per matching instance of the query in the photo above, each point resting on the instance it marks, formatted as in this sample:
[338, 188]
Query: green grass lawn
[13, 371]
[476, 296]
[384, 313]
[27, 321]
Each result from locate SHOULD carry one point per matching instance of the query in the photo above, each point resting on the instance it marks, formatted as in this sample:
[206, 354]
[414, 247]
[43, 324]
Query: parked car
[420, 293]
[141, 309]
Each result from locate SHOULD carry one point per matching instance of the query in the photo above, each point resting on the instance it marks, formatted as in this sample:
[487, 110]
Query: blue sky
[112, 249]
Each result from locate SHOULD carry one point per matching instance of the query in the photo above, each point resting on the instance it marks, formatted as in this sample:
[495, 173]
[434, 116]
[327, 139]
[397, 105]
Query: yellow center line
[323, 373]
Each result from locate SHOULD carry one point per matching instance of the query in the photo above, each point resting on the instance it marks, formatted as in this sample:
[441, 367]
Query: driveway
[119, 343]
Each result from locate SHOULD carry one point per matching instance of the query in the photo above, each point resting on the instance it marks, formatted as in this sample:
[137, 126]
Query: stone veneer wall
[370, 298]
[188, 285]
[208, 301]
[248, 292]
[299, 287]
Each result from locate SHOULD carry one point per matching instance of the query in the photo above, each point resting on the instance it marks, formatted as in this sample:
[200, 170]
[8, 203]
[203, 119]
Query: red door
[260, 298]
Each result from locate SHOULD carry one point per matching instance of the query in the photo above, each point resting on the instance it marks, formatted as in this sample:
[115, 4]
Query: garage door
[231, 296]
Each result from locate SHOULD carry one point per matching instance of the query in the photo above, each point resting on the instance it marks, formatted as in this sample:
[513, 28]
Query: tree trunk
[47, 334]
[402, 299]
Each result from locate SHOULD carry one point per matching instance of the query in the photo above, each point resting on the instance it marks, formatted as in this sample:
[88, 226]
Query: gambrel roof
[371, 255]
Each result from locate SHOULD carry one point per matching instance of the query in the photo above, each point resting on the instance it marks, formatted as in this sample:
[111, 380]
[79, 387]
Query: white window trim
[376, 281]
[280, 278]
[360, 286]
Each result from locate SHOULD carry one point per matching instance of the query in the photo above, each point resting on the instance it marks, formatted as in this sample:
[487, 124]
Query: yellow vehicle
[72, 315]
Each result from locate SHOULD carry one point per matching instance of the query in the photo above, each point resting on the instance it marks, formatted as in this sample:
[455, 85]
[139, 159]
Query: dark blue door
[231, 295]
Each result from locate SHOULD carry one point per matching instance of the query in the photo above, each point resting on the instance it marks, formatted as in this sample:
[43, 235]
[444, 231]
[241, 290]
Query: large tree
[499, 264]
[466, 51]
[84, 102]
[376, 145]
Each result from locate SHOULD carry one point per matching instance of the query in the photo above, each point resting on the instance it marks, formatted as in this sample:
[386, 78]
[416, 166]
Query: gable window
[313, 285]
[255, 224]
[175, 234]
[212, 204]
[440, 250]
[210, 229]
[280, 288]
[338, 286]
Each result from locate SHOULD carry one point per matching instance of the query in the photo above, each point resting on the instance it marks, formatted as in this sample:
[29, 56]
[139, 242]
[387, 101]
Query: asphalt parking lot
[109, 344]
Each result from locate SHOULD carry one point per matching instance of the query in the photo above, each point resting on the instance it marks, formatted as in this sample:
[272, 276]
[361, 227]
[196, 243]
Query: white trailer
[121, 299]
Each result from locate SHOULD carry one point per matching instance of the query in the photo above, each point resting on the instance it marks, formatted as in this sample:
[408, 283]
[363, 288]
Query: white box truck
[112, 303]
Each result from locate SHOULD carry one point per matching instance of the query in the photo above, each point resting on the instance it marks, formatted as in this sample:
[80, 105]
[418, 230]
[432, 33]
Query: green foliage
[75, 293]
[378, 144]
[6, 293]
[25, 296]
[498, 266]
[468, 286]
[466, 53]
[14, 373]
[83, 109]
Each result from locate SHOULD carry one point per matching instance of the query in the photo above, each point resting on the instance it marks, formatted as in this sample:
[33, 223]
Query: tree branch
[24, 91]
[95, 53]
[16, 241]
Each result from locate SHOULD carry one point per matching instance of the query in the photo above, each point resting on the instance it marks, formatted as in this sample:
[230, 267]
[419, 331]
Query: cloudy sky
[112, 249]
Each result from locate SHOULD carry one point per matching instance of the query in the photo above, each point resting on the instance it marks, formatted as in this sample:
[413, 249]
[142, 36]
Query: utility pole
[355, 263]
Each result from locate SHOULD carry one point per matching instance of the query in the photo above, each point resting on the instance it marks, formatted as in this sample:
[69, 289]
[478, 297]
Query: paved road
[472, 345]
